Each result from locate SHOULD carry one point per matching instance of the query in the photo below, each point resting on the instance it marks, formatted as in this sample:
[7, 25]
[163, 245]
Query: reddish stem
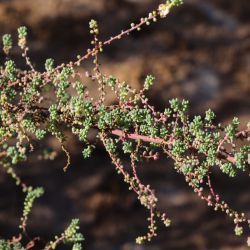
[157, 140]
[145, 138]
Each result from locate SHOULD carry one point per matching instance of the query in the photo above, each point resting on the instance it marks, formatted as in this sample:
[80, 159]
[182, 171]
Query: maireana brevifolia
[131, 126]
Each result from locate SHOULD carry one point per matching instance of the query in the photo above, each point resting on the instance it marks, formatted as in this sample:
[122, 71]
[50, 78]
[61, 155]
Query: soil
[201, 53]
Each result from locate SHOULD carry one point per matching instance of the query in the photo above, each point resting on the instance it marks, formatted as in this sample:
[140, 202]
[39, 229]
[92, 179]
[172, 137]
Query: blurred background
[201, 52]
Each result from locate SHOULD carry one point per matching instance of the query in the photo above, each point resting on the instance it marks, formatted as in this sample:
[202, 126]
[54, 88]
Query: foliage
[69, 236]
[132, 127]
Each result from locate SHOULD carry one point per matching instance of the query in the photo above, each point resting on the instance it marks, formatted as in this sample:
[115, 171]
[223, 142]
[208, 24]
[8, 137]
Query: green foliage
[7, 43]
[32, 194]
[22, 34]
[71, 233]
[130, 126]
[16, 154]
[232, 128]
[10, 70]
[5, 245]
[149, 81]
[70, 236]
[127, 147]
[87, 152]
[238, 231]
[111, 82]
[174, 2]
[30, 126]
[77, 246]
[110, 145]
[49, 64]
[210, 116]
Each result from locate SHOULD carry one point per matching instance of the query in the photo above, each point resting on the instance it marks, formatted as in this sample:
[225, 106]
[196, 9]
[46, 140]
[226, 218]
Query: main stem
[157, 140]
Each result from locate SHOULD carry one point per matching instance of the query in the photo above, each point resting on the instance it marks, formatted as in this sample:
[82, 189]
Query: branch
[223, 154]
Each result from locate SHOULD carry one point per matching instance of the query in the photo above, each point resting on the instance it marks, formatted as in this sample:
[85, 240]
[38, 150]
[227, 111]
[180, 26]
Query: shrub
[132, 127]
